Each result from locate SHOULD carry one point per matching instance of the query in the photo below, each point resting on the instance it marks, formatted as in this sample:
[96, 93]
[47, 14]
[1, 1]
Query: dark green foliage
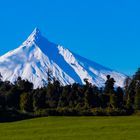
[113, 101]
[53, 93]
[133, 92]
[111, 97]
[39, 99]
[75, 99]
[24, 85]
[13, 97]
[120, 97]
[2, 102]
[109, 85]
[64, 97]
[26, 102]
[137, 75]
[137, 96]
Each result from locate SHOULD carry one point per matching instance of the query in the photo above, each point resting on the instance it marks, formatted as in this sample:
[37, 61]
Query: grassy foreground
[73, 128]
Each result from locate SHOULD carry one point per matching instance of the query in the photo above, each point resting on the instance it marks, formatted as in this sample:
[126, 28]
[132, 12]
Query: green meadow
[73, 128]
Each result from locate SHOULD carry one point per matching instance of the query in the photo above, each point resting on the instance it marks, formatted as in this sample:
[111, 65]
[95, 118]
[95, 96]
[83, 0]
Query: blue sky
[106, 31]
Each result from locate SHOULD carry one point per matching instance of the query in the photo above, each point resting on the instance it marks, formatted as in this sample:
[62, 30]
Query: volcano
[32, 60]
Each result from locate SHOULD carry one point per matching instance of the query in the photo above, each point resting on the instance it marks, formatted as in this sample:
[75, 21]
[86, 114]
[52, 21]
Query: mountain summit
[36, 55]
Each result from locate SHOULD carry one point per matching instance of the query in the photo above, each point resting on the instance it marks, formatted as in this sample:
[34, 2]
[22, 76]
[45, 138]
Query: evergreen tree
[120, 97]
[127, 99]
[131, 94]
[24, 85]
[2, 102]
[109, 85]
[13, 98]
[64, 97]
[49, 76]
[137, 96]
[53, 93]
[113, 100]
[87, 93]
[109, 92]
[39, 99]
[26, 102]
[137, 75]
[1, 82]
[132, 91]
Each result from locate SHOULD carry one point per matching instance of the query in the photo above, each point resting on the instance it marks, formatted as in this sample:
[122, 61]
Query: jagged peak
[33, 37]
[36, 31]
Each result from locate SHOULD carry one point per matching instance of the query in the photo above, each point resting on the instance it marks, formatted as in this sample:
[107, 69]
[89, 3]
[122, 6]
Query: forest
[20, 100]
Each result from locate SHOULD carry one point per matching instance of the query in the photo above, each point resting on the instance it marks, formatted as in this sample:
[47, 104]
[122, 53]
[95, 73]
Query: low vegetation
[73, 128]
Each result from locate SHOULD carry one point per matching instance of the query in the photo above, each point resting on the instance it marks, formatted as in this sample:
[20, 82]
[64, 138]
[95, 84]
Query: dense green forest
[20, 100]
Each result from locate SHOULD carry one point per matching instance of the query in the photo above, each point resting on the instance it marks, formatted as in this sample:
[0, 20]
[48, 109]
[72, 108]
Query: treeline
[75, 99]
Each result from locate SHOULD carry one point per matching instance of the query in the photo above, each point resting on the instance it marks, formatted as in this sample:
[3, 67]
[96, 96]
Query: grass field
[73, 128]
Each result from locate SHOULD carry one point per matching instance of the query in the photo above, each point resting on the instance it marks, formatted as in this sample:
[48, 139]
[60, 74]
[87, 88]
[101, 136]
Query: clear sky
[106, 31]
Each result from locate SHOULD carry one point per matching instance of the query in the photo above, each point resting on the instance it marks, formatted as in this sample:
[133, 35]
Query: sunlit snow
[36, 55]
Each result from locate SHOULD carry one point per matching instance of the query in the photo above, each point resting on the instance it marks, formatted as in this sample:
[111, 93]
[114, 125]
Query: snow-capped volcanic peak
[36, 55]
[34, 35]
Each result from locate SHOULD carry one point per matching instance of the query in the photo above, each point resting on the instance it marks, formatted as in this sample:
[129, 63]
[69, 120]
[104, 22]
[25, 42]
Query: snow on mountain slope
[36, 55]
